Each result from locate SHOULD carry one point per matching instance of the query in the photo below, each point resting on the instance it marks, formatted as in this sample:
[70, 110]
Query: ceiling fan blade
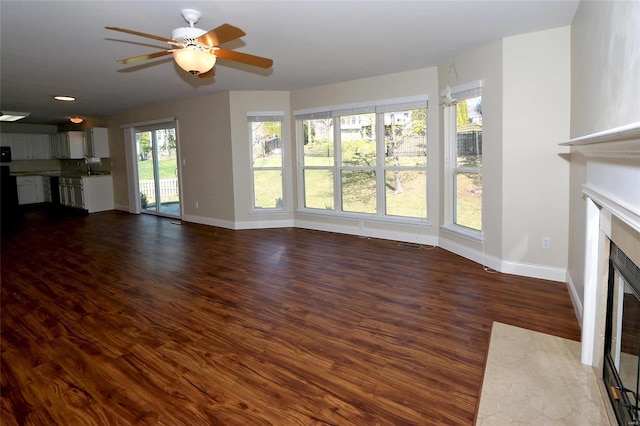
[207, 74]
[244, 58]
[138, 33]
[139, 58]
[220, 35]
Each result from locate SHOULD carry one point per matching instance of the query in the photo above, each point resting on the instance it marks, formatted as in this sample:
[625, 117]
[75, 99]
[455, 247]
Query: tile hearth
[533, 378]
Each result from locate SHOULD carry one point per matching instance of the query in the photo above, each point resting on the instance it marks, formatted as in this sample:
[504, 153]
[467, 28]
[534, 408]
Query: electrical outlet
[546, 243]
[361, 225]
[197, 205]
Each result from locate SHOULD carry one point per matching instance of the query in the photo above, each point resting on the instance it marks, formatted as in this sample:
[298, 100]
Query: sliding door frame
[131, 154]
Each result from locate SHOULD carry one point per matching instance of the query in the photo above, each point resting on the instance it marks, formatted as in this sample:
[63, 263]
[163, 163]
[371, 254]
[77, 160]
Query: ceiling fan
[196, 50]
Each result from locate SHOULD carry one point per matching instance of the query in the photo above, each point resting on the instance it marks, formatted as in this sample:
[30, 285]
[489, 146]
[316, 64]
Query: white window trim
[260, 116]
[472, 235]
[376, 107]
[463, 91]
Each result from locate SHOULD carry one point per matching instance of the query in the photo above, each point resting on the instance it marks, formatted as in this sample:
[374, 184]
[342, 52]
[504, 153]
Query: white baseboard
[471, 254]
[121, 207]
[534, 271]
[505, 266]
[407, 237]
[285, 223]
[208, 221]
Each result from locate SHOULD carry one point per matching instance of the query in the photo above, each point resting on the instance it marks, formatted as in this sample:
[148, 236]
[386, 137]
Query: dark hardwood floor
[117, 319]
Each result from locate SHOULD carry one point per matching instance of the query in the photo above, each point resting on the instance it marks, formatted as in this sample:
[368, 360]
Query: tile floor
[533, 378]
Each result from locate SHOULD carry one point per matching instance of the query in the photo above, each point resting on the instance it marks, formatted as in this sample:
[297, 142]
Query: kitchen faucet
[88, 165]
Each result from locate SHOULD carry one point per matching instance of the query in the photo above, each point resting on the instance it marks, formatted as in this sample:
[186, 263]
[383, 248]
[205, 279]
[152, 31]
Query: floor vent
[410, 245]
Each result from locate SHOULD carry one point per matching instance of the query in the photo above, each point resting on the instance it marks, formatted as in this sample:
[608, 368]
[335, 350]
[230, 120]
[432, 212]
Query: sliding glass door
[157, 160]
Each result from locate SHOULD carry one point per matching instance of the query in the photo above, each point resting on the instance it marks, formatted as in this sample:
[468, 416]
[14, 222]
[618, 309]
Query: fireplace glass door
[622, 338]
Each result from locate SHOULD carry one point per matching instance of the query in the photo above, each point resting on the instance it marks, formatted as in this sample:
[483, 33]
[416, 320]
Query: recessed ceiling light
[12, 115]
[64, 98]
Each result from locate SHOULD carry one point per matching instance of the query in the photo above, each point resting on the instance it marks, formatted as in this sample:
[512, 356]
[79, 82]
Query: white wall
[605, 93]
[204, 139]
[535, 178]
[526, 110]
[17, 127]
[605, 66]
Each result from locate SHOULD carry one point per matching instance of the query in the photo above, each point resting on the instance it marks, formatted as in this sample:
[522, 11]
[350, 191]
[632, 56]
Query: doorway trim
[131, 160]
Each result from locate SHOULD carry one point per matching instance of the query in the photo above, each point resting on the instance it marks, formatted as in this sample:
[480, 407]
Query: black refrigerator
[9, 213]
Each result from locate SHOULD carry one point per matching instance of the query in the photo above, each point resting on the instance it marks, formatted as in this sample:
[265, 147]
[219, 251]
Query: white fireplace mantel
[613, 170]
[630, 132]
[612, 191]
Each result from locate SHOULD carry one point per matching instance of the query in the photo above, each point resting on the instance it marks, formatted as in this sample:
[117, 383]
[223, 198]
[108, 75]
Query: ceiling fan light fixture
[194, 59]
[76, 120]
[195, 50]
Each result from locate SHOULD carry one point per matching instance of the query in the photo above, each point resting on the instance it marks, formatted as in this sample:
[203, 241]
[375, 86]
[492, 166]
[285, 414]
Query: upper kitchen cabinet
[68, 145]
[25, 146]
[97, 142]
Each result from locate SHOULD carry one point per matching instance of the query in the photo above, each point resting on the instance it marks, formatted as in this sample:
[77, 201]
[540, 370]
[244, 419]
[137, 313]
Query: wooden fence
[411, 146]
[169, 190]
[469, 143]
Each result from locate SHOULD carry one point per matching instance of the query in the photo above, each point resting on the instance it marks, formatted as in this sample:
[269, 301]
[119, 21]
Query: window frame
[452, 96]
[335, 113]
[258, 117]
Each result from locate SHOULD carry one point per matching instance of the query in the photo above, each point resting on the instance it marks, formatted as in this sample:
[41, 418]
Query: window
[366, 160]
[463, 137]
[265, 136]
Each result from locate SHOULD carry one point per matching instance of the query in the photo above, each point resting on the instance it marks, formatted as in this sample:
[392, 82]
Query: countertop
[69, 174]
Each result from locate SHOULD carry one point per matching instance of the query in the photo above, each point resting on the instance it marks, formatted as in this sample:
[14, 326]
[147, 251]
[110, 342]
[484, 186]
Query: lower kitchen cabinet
[71, 192]
[30, 189]
[91, 193]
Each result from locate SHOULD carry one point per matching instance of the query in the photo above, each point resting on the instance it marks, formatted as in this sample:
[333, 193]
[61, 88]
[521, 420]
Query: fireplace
[622, 337]
[604, 295]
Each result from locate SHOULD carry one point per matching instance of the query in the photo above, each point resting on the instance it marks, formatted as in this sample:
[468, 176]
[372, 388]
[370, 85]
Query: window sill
[363, 217]
[267, 211]
[466, 233]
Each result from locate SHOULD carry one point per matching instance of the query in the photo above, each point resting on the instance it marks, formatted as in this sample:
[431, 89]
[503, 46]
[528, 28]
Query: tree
[463, 114]
[266, 130]
[419, 122]
[144, 144]
[170, 144]
[395, 142]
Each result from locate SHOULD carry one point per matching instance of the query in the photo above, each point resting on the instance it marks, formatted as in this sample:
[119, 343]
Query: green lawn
[167, 169]
[319, 189]
[359, 188]
[469, 197]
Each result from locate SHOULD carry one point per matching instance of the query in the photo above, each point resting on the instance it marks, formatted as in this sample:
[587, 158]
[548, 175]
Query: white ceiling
[61, 47]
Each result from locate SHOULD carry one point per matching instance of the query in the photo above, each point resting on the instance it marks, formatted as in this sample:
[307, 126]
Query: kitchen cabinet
[25, 146]
[30, 189]
[71, 192]
[97, 142]
[67, 145]
[38, 147]
[46, 189]
[98, 193]
[91, 193]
